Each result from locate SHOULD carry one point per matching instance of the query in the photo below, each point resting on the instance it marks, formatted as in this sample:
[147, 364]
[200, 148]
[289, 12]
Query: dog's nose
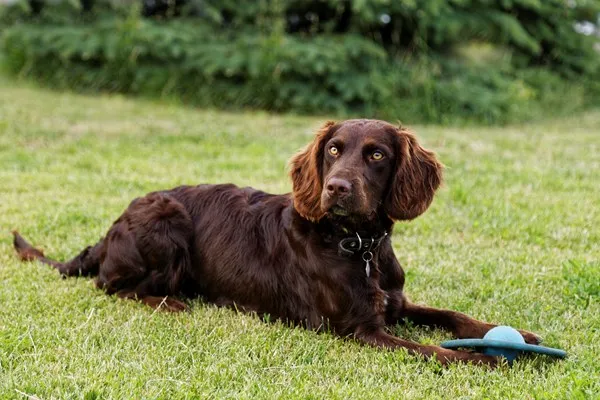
[338, 187]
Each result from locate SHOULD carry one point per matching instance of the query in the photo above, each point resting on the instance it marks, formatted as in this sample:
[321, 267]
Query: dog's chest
[367, 291]
[377, 297]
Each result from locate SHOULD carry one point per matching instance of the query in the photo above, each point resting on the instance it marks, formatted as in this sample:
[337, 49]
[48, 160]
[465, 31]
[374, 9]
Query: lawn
[512, 238]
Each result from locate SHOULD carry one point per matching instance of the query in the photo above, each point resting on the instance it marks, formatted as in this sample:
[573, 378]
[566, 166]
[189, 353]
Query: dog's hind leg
[144, 256]
[147, 253]
[165, 303]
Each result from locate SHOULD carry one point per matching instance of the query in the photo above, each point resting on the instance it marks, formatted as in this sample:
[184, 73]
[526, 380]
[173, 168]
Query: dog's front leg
[461, 325]
[380, 338]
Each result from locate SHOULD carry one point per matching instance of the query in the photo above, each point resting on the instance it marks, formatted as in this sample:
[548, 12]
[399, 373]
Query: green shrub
[183, 60]
[242, 54]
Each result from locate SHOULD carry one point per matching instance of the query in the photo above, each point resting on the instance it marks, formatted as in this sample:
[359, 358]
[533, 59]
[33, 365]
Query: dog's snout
[338, 187]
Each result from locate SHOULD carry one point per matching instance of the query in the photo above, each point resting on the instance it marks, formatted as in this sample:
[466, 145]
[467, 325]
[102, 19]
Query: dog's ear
[306, 170]
[418, 175]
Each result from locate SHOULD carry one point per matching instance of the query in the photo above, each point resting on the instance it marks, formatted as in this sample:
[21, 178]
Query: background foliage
[435, 61]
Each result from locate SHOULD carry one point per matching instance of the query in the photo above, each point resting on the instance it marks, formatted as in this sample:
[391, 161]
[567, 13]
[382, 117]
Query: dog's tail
[86, 263]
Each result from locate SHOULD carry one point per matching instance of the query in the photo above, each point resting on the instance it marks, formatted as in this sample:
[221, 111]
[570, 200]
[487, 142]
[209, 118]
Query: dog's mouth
[339, 211]
[346, 209]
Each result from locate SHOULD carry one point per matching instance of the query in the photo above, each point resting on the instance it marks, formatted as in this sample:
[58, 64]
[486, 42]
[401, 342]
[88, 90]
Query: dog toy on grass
[503, 341]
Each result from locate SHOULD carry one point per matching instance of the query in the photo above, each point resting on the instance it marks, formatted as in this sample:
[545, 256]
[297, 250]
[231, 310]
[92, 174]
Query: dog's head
[359, 168]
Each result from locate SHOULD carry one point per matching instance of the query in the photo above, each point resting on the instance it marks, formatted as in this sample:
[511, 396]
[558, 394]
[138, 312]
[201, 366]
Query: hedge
[240, 62]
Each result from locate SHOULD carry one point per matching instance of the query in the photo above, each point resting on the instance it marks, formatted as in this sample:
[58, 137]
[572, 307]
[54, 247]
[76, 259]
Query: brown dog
[319, 257]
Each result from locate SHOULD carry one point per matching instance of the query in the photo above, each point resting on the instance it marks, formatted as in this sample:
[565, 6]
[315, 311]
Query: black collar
[352, 245]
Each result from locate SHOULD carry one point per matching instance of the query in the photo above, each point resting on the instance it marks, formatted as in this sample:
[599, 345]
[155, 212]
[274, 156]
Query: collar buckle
[352, 245]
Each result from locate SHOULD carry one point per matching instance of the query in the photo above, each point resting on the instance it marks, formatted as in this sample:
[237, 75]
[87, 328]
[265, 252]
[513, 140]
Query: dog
[320, 257]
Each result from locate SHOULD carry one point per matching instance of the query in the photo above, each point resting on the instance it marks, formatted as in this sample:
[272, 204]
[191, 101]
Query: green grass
[512, 238]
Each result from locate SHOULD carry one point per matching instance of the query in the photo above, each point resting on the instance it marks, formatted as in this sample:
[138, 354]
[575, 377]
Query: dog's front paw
[530, 338]
[454, 356]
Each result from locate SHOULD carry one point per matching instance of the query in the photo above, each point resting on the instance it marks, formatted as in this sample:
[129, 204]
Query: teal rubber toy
[503, 341]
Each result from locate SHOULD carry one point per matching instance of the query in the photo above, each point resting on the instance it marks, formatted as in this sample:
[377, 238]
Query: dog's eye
[377, 155]
[334, 151]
